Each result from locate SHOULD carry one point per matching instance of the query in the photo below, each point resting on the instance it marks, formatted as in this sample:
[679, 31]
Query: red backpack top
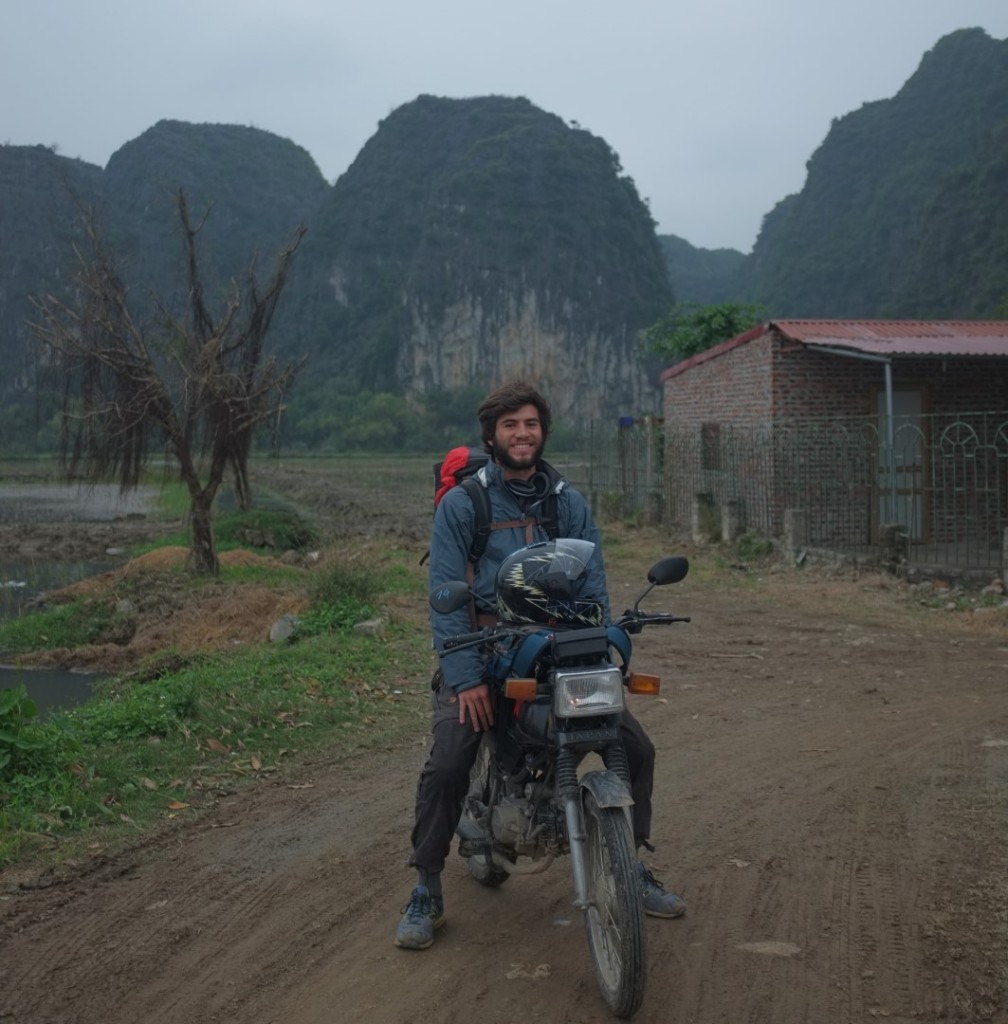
[458, 465]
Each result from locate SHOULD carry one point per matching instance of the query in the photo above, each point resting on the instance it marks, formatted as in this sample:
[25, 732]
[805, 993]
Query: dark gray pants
[444, 780]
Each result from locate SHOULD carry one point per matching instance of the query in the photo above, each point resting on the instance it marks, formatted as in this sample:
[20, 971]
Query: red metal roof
[875, 337]
[902, 337]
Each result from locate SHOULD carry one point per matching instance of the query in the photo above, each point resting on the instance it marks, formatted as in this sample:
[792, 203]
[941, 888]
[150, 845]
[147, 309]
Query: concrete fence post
[731, 520]
[795, 532]
[1004, 559]
[894, 546]
[699, 517]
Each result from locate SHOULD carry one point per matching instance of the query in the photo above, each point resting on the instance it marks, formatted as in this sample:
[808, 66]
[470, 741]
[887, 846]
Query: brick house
[855, 422]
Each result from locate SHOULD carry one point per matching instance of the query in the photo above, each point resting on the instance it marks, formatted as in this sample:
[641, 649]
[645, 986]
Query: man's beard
[502, 456]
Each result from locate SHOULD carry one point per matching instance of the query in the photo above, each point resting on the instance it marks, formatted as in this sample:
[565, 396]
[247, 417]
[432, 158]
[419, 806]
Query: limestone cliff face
[586, 375]
[475, 241]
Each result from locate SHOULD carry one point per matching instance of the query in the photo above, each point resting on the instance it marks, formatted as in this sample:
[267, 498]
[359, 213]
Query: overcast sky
[713, 106]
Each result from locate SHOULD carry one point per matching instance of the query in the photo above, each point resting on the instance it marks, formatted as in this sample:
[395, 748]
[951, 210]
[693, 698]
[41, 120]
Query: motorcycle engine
[509, 823]
[512, 829]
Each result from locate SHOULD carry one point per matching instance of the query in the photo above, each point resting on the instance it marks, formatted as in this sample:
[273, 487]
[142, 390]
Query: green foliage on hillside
[333, 417]
[703, 276]
[902, 213]
[39, 193]
[490, 200]
[258, 187]
[690, 328]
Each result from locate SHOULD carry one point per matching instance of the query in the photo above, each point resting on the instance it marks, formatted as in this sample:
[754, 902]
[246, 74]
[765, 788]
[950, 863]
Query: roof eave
[717, 350]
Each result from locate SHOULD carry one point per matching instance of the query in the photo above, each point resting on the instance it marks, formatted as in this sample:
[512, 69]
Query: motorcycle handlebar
[630, 621]
[482, 636]
[633, 621]
[468, 639]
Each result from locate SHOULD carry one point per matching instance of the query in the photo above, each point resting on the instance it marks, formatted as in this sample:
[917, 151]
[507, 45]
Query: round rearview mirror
[450, 596]
[668, 570]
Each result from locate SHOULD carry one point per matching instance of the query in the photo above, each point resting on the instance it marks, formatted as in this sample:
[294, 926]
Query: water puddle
[50, 689]
[21, 584]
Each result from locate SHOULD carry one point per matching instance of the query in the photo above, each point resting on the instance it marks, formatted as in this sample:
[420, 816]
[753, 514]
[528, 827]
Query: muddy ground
[831, 794]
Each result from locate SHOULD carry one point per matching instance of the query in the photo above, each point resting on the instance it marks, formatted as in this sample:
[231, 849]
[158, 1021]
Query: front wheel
[614, 919]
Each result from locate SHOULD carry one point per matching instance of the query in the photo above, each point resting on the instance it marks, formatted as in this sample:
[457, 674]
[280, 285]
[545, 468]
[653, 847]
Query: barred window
[710, 445]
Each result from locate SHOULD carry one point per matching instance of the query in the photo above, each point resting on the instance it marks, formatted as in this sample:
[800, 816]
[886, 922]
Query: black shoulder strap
[550, 514]
[481, 507]
[550, 518]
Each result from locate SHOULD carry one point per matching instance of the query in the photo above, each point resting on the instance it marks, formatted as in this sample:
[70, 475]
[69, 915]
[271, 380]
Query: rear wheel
[487, 874]
[614, 919]
[481, 868]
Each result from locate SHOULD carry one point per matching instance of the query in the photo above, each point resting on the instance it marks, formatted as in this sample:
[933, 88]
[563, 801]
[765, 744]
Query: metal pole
[890, 441]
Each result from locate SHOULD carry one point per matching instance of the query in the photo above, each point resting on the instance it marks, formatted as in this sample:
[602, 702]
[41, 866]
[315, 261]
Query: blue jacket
[451, 539]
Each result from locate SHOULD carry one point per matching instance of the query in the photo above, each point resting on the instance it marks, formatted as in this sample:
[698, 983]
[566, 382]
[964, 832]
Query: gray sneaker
[657, 901]
[421, 916]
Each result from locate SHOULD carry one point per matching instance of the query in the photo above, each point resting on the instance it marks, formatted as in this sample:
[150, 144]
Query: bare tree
[200, 386]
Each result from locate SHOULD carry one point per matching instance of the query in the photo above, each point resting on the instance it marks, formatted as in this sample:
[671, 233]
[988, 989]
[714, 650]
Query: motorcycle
[558, 683]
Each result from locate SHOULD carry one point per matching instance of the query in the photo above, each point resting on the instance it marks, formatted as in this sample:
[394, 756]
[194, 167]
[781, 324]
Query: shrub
[341, 596]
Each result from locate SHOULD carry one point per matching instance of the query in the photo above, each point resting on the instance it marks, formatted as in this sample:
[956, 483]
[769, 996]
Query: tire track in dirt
[216, 893]
[839, 833]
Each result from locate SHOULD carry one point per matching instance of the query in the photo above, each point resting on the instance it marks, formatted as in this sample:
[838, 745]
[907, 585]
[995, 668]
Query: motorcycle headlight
[588, 691]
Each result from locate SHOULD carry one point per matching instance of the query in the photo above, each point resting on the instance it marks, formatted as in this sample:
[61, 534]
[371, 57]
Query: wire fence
[938, 484]
[933, 494]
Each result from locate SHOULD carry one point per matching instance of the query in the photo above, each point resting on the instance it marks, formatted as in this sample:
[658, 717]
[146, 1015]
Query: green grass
[68, 625]
[162, 740]
[90, 620]
[341, 596]
[143, 746]
[262, 529]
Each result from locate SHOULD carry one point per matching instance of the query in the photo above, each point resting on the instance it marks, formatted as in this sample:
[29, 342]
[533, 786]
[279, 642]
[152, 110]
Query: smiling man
[529, 501]
[517, 442]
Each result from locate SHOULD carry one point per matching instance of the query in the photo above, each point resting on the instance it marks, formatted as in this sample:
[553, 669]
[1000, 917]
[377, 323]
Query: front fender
[607, 788]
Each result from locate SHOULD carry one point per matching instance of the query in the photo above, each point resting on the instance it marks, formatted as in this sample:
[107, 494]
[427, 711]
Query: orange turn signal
[640, 682]
[520, 689]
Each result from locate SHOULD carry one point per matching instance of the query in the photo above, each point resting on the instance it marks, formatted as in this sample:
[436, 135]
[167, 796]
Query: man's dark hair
[510, 398]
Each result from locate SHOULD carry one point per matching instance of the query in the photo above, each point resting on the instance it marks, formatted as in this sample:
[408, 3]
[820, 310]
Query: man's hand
[477, 704]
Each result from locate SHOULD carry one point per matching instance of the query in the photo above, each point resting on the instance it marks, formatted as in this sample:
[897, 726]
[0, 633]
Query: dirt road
[832, 784]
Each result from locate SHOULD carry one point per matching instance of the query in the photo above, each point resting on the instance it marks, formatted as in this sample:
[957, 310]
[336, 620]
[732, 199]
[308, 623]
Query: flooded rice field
[51, 535]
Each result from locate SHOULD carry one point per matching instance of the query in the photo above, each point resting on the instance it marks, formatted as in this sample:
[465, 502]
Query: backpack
[460, 468]
[458, 465]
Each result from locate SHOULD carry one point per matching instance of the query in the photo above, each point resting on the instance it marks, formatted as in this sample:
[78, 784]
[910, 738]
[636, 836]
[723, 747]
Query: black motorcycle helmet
[541, 583]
